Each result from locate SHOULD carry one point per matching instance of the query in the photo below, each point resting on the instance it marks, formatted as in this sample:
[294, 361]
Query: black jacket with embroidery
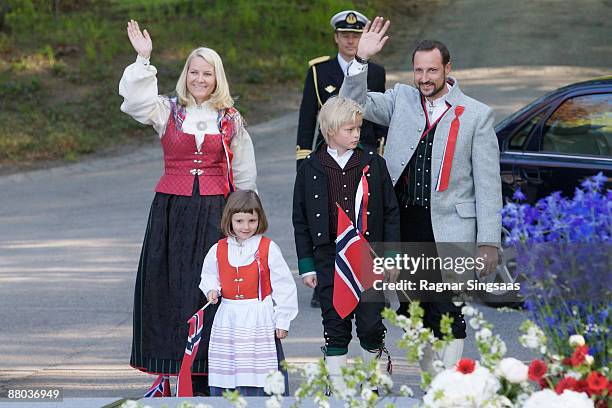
[310, 206]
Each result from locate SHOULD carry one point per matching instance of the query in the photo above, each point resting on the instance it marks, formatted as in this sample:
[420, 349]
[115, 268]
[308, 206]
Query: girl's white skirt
[242, 350]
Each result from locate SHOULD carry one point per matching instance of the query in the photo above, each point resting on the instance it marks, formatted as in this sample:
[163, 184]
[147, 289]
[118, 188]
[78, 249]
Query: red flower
[566, 361]
[543, 383]
[597, 382]
[466, 365]
[579, 355]
[537, 369]
[582, 386]
[567, 383]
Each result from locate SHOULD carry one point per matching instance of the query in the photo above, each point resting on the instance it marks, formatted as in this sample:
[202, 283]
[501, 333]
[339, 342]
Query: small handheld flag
[196, 323]
[353, 271]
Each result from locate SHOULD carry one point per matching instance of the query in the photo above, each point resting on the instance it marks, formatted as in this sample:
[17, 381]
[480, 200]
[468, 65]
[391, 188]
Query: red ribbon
[363, 226]
[449, 151]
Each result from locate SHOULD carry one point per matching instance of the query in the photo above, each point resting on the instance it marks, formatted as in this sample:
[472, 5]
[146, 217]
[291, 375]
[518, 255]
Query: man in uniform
[324, 79]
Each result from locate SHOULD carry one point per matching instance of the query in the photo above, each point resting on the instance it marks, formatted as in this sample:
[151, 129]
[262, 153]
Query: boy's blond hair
[336, 112]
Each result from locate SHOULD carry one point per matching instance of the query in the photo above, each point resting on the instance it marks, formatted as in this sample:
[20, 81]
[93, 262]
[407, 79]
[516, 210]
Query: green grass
[59, 70]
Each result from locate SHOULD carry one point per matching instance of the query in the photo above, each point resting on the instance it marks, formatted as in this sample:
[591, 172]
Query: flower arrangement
[564, 252]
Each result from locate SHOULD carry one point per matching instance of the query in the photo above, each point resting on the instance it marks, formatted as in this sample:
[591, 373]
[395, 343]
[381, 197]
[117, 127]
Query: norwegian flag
[353, 271]
[160, 388]
[196, 323]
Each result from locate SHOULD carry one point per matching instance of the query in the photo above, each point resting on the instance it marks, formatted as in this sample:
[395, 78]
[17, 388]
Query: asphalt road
[70, 237]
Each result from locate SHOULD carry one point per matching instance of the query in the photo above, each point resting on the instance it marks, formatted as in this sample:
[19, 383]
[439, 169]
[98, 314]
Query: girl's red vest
[212, 163]
[250, 281]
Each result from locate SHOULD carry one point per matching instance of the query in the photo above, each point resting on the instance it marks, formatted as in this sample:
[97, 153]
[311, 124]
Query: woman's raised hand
[141, 40]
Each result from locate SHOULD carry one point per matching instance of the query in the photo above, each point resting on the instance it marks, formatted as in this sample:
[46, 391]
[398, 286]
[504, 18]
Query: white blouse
[138, 87]
[284, 291]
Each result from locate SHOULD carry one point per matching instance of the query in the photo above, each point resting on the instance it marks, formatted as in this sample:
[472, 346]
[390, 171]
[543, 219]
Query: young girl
[259, 299]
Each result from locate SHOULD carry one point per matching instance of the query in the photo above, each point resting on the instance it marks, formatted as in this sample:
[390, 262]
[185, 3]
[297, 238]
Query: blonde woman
[207, 155]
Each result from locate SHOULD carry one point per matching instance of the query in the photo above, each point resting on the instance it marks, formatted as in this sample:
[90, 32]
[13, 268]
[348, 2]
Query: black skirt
[180, 231]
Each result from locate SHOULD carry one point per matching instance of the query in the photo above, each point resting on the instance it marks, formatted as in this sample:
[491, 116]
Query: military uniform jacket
[329, 78]
[310, 206]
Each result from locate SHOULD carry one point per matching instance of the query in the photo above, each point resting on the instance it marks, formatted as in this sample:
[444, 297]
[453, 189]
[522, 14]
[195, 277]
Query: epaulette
[318, 60]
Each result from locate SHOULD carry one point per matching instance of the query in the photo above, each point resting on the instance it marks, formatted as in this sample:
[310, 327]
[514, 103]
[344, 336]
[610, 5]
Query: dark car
[550, 145]
[557, 141]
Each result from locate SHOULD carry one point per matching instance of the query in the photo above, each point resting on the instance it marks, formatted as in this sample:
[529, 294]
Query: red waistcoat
[250, 281]
[212, 163]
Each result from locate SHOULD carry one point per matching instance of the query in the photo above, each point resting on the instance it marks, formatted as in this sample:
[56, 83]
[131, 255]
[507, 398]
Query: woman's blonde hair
[243, 201]
[336, 112]
[220, 98]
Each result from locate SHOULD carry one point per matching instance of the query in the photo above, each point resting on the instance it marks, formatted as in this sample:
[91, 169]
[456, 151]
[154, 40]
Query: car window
[581, 125]
[517, 142]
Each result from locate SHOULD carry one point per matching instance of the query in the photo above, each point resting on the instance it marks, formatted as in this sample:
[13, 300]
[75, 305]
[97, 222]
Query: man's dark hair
[429, 45]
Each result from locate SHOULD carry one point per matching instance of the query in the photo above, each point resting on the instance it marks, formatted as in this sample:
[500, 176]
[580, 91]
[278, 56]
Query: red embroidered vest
[250, 281]
[183, 161]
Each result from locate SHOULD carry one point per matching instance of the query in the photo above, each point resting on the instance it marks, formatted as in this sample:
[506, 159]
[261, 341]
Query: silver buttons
[317, 215]
[316, 196]
[420, 129]
[403, 163]
[314, 177]
[367, 212]
[318, 234]
[411, 147]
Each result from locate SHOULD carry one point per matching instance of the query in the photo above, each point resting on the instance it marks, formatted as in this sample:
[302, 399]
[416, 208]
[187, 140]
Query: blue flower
[518, 195]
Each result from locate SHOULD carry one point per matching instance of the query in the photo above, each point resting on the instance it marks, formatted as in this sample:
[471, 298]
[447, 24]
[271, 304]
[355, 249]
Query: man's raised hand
[373, 38]
[141, 41]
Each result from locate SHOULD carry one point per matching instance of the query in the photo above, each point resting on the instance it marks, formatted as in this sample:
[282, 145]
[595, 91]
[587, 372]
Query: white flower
[468, 310]
[451, 388]
[543, 399]
[549, 399]
[406, 391]
[312, 370]
[366, 393]
[322, 403]
[385, 381]
[513, 370]
[572, 399]
[475, 323]
[530, 341]
[275, 383]
[574, 374]
[438, 365]
[274, 402]
[589, 359]
[483, 334]
[203, 406]
[130, 404]
[576, 340]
